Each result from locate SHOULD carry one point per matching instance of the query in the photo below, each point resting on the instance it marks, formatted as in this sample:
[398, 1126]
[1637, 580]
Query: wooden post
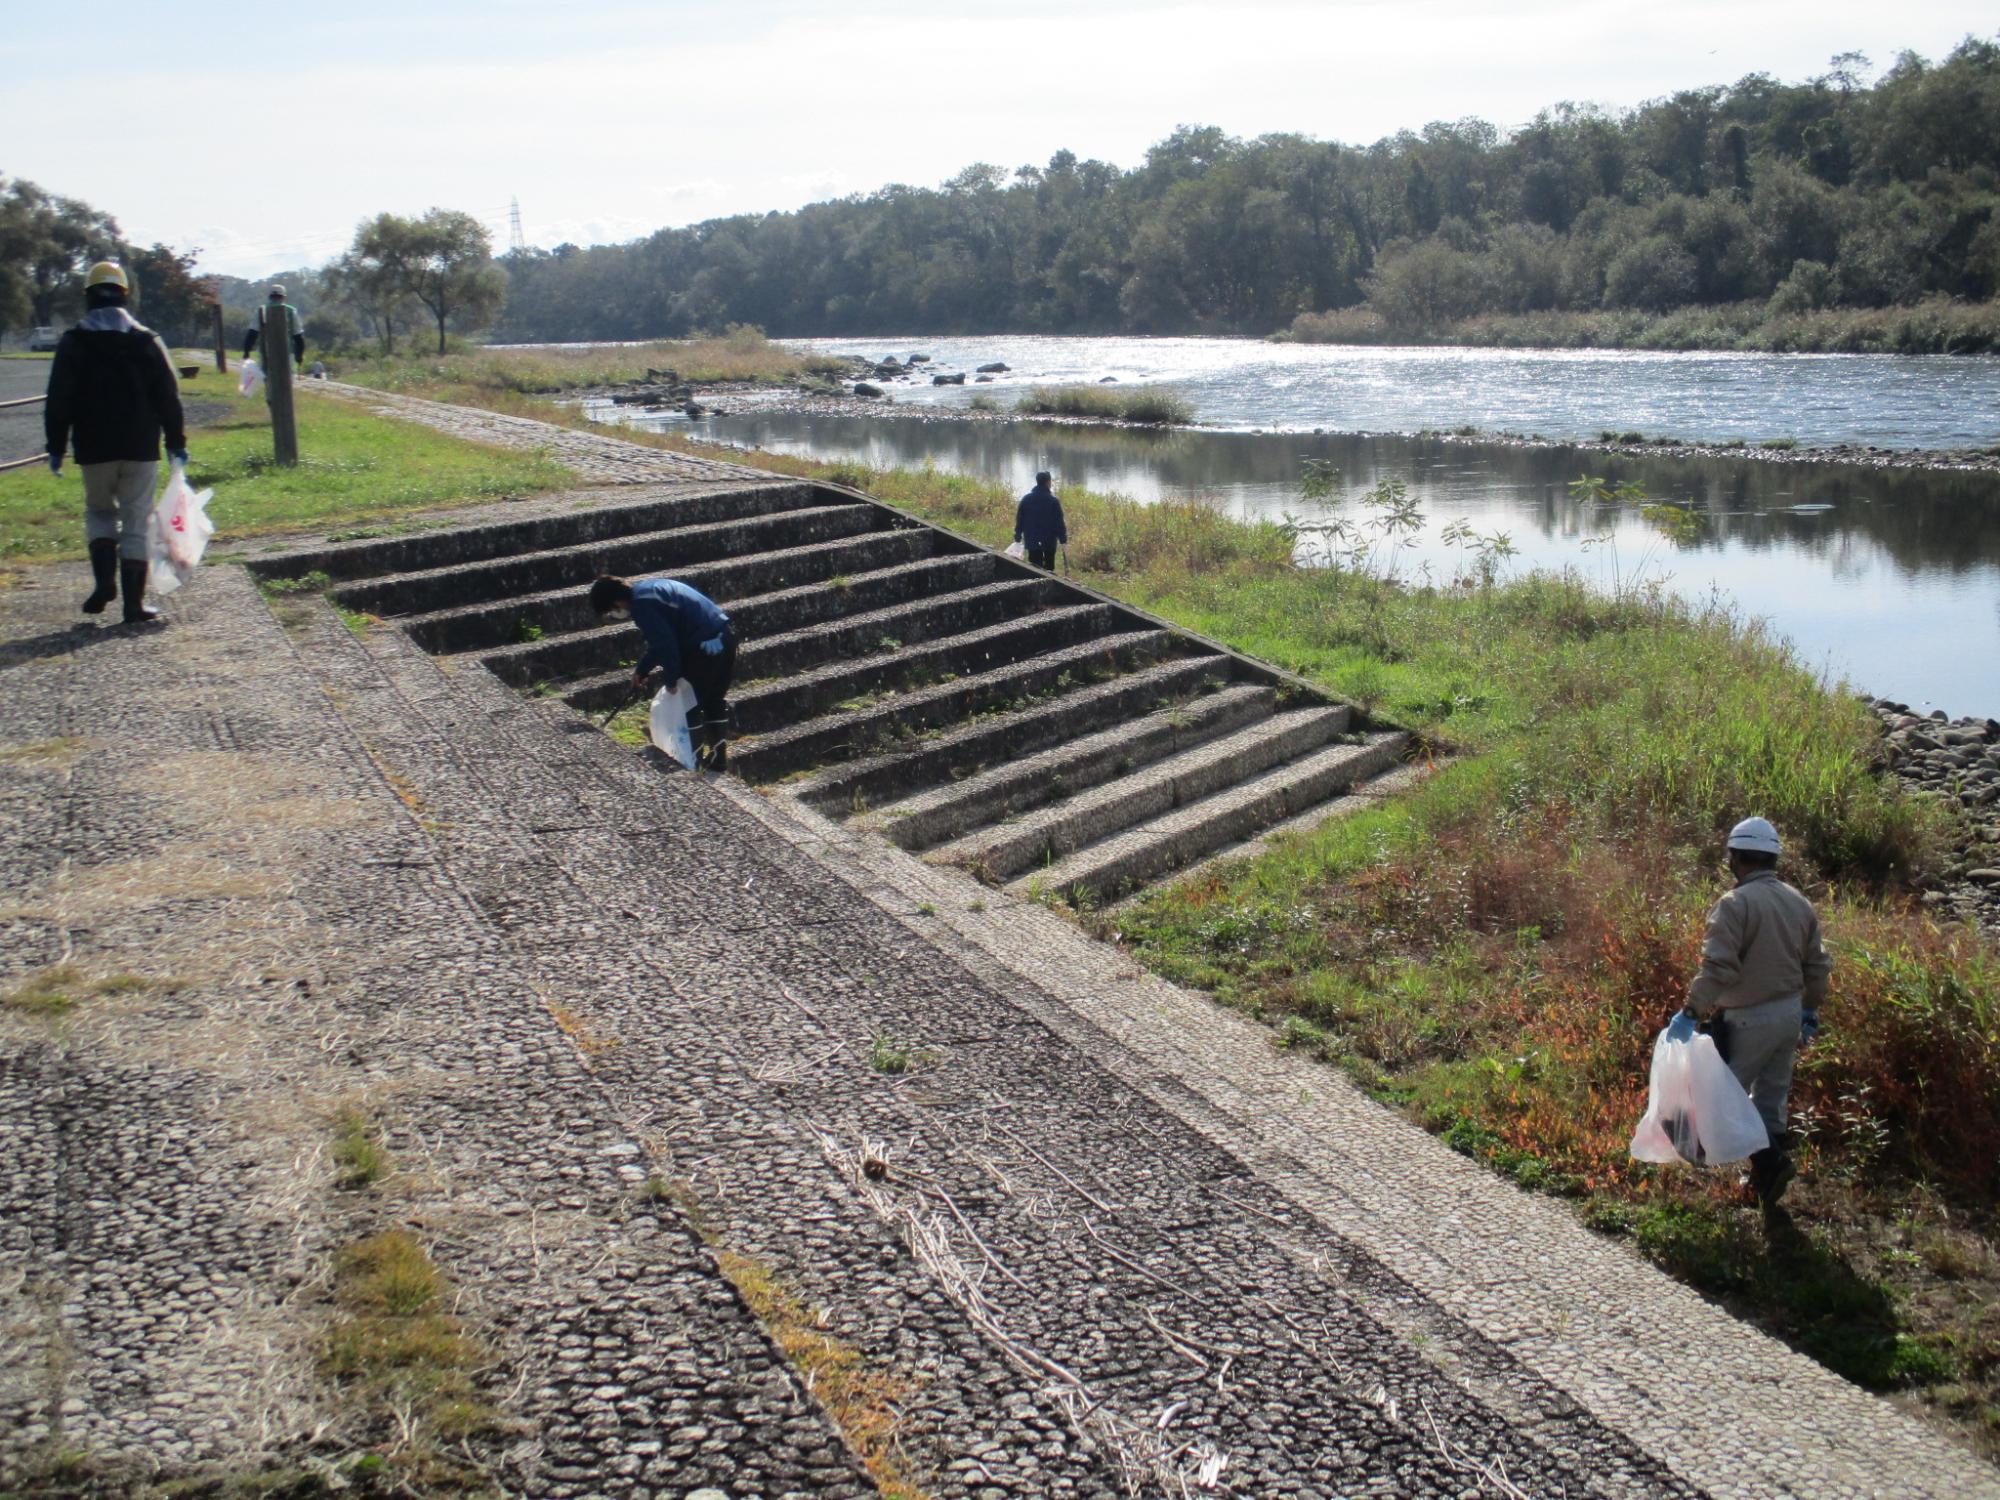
[221, 342]
[276, 347]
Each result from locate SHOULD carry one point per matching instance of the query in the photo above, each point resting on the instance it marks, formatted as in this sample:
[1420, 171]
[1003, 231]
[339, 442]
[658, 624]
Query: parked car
[42, 340]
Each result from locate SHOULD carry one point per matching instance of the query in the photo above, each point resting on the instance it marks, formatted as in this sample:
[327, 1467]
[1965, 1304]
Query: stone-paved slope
[187, 808]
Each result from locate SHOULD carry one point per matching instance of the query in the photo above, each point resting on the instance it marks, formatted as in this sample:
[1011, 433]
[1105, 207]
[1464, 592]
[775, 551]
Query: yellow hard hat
[107, 273]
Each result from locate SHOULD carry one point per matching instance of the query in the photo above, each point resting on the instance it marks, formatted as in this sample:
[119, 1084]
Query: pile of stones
[659, 390]
[1957, 760]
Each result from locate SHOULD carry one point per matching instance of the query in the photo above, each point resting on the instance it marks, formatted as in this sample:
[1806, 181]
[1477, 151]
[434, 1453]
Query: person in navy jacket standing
[1038, 523]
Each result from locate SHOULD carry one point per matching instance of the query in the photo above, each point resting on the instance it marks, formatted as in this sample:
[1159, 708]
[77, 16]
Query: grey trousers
[1762, 1044]
[118, 504]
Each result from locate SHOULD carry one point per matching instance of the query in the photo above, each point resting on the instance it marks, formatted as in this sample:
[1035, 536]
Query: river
[1887, 578]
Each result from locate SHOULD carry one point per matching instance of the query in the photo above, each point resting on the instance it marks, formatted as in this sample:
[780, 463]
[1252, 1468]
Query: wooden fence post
[276, 347]
[221, 342]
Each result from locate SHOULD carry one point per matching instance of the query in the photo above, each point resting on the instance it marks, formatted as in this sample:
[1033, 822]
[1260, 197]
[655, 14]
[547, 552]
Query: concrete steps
[443, 548]
[827, 628]
[964, 751]
[794, 699]
[1175, 839]
[874, 569]
[986, 715]
[630, 556]
[875, 727]
[1004, 792]
[1036, 841]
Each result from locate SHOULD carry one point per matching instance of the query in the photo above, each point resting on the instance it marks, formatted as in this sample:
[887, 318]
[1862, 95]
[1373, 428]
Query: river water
[1886, 578]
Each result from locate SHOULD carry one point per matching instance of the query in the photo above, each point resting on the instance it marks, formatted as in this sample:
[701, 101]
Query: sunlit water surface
[1888, 578]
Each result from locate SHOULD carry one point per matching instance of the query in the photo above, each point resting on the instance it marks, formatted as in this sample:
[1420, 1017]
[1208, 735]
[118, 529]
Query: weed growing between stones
[57, 991]
[865, 1403]
[888, 1055]
[357, 1151]
[45, 752]
[408, 1365]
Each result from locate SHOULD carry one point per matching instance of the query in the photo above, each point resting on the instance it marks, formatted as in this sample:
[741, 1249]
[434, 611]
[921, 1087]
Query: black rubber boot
[132, 573]
[1771, 1172]
[711, 745]
[103, 568]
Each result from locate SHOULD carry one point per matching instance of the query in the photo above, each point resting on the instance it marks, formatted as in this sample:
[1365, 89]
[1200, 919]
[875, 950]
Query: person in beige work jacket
[1763, 975]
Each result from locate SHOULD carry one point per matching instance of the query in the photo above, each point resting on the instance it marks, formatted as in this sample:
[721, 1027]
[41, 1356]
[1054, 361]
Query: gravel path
[1091, 1232]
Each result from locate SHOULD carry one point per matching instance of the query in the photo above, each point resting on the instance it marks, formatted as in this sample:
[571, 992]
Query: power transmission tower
[515, 238]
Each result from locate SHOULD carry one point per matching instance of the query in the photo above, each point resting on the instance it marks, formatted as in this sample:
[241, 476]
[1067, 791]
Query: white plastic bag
[180, 532]
[1015, 550]
[1696, 1111]
[253, 376]
[672, 707]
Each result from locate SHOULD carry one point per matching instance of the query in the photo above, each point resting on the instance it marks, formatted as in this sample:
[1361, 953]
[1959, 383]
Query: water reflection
[1888, 577]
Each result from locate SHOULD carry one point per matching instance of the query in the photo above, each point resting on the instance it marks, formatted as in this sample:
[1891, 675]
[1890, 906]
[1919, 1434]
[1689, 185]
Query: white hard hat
[1756, 835]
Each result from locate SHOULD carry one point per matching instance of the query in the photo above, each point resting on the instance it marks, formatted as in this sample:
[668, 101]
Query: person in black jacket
[112, 389]
[1039, 524]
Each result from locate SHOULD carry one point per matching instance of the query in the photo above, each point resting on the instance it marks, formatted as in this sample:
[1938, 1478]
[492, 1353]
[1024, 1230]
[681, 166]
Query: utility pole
[221, 342]
[276, 344]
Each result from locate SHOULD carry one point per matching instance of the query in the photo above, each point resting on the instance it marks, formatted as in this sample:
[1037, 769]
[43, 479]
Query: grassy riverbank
[354, 466]
[1938, 326]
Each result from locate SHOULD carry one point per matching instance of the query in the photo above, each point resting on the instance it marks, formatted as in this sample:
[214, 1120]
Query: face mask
[619, 615]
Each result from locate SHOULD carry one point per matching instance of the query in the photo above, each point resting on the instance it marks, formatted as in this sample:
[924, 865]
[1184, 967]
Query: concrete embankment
[1095, 1236]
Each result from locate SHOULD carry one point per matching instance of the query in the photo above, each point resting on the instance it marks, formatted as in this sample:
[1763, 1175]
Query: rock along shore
[1957, 760]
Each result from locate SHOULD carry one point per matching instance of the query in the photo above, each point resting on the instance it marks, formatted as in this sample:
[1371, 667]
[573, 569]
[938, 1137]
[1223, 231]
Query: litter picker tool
[624, 703]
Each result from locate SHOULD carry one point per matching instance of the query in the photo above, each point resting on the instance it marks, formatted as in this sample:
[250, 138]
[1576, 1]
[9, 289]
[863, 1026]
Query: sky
[262, 134]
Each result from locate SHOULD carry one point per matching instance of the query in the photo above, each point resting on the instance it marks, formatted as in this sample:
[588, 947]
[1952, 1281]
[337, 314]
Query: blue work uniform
[1039, 526]
[675, 620]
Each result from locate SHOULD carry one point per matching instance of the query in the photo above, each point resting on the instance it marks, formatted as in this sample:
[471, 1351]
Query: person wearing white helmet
[1763, 976]
[113, 394]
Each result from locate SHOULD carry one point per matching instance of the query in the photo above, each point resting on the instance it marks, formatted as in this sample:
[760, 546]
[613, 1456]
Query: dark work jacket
[114, 393]
[675, 620]
[1039, 519]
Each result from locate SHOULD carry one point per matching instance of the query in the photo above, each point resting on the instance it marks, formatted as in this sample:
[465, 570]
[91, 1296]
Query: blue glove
[1808, 1028]
[55, 463]
[178, 455]
[1681, 1028]
[712, 648]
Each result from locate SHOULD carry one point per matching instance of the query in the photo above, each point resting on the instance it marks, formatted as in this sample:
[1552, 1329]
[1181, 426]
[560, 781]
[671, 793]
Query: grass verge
[355, 466]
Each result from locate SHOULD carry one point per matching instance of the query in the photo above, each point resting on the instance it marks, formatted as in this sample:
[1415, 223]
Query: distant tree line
[46, 243]
[1827, 193]
[398, 275]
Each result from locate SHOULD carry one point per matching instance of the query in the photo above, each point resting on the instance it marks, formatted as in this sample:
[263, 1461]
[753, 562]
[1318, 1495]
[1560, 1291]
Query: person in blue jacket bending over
[687, 636]
[1038, 523]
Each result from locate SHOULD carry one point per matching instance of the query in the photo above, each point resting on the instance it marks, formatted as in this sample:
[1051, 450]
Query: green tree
[450, 268]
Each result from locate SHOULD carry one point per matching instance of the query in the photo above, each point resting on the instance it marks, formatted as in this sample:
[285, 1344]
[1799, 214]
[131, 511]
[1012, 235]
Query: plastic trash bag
[1015, 550]
[1696, 1112]
[253, 376]
[180, 532]
[672, 708]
